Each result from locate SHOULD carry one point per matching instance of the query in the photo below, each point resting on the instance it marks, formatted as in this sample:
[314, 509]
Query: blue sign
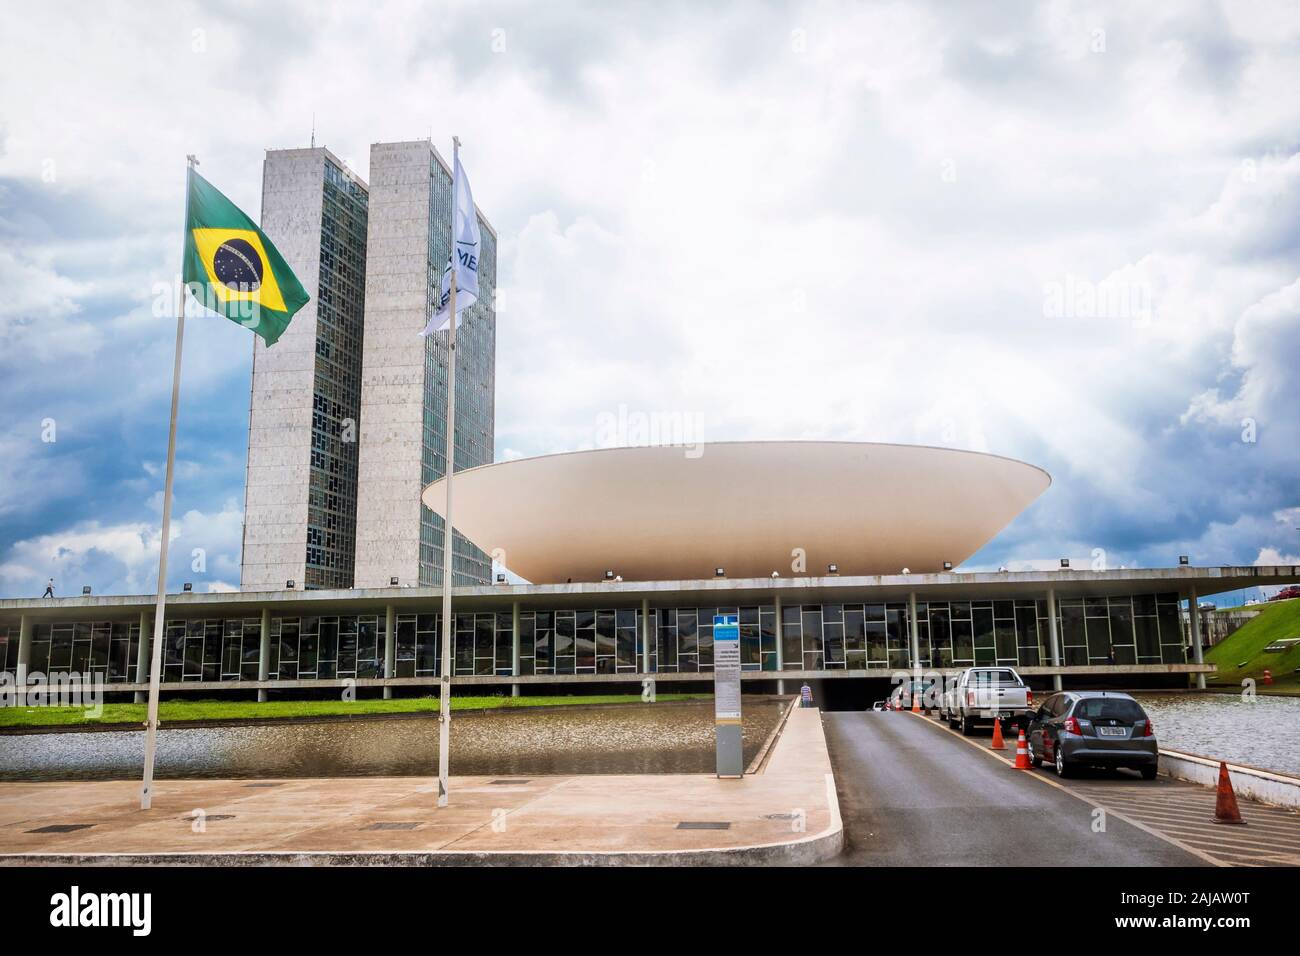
[726, 627]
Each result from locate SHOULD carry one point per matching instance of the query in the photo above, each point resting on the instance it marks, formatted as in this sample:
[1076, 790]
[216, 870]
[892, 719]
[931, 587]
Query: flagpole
[444, 702]
[160, 604]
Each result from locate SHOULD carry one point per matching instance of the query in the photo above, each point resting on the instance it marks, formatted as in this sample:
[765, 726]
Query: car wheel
[1149, 773]
[1035, 757]
[967, 726]
[1063, 769]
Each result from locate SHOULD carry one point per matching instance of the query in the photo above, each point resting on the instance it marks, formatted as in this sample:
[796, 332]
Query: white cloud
[123, 558]
[841, 235]
[1265, 349]
[1272, 556]
[33, 290]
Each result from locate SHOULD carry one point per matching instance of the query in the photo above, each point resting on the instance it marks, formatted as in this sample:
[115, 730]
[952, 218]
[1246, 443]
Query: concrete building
[300, 500]
[404, 376]
[695, 536]
[746, 508]
[347, 412]
[842, 631]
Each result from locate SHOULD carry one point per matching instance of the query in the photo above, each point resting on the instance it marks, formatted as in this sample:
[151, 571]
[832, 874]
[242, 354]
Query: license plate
[1112, 731]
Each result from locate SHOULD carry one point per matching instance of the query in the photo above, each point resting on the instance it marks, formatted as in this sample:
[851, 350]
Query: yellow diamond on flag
[237, 266]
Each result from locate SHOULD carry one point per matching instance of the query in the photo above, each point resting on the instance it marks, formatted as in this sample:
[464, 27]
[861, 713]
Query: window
[1000, 678]
[1109, 708]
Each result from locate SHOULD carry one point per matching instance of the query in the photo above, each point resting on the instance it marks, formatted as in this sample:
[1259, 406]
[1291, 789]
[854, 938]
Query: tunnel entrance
[852, 693]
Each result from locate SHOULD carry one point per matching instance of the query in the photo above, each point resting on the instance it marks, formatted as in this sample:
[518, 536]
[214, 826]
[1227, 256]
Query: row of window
[1119, 630]
[330, 550]
[103, 647]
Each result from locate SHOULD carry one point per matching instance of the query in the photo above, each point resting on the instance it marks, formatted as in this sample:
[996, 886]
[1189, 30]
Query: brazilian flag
[231, 266]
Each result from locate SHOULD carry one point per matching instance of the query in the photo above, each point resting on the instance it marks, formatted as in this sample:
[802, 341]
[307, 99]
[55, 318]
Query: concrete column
[264, 653]
[24, 655]
[646, 636]
[780, 650]
[1198, 655]
[390, 646]
[914, 629]
[142, 655]
[514, 646]
[1053, 638]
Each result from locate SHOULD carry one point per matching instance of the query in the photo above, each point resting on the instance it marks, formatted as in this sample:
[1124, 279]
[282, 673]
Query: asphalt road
[912, 794]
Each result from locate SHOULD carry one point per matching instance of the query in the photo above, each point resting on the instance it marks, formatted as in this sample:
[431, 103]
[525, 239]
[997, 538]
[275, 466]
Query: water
[1263, 732]
[638, 738]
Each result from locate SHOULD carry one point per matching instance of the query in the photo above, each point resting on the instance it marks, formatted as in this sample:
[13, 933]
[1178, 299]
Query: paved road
[912, 794]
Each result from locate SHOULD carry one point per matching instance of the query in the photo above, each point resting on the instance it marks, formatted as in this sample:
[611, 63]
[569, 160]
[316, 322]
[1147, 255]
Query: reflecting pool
[669, 737]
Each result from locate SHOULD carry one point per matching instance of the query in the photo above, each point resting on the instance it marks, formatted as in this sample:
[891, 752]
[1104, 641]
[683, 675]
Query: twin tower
[348, 409]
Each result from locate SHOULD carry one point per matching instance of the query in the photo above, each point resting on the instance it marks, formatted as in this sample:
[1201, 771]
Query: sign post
[728, 736]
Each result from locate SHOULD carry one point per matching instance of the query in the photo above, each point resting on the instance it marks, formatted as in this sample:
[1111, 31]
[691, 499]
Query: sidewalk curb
[1263, 786]
[802, 853]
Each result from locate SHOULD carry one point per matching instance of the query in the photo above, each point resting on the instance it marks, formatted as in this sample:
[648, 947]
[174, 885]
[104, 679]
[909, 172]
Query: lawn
[1246, 647]
[175, 711]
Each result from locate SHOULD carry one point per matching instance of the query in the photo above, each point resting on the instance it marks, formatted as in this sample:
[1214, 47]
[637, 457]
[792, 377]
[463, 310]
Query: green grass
[174, 711]
[1275, 622]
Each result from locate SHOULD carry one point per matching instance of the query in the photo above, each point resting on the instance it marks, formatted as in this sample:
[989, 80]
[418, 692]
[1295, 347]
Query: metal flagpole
[444, 702]
[160, 605]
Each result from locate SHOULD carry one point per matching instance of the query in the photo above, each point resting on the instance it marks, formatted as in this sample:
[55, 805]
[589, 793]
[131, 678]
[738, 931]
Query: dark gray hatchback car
[1093, 728]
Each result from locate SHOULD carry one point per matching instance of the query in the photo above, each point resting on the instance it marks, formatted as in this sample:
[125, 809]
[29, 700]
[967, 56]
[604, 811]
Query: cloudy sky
[1062, 232]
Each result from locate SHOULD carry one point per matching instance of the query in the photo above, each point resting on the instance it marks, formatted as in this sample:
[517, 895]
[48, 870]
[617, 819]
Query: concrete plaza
[785, 812]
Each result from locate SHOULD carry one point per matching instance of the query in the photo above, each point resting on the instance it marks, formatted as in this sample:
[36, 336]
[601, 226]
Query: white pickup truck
[979, 694]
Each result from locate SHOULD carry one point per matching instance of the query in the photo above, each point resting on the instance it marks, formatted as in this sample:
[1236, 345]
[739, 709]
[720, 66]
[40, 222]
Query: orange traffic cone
[1022, 754]
[998, 743]
[1225, 802]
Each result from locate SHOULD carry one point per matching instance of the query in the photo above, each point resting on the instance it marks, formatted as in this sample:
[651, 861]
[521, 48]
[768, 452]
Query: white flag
[464, 254]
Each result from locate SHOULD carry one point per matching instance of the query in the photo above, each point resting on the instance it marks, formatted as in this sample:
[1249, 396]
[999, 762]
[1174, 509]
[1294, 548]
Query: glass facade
[86, 647]
[324, 648]
[475, 388]
[1136, 629]
[336, 397]
[606, 641]
[8, 648]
